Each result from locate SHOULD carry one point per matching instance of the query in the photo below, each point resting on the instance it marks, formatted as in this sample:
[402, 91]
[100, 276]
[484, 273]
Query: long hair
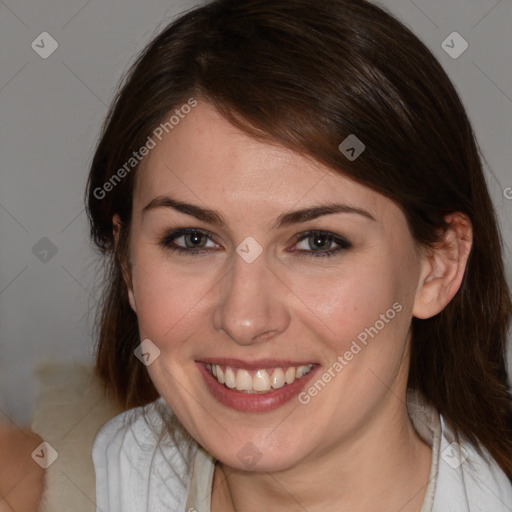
[307, 74]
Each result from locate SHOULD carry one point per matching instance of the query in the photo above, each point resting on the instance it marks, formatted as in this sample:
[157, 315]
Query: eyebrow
[285, 219]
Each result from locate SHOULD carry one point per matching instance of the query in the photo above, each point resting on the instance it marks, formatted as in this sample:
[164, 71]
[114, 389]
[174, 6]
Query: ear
[116, 230]
[443, 267]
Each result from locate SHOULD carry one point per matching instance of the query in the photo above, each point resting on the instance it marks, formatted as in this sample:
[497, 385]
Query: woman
[306, 306]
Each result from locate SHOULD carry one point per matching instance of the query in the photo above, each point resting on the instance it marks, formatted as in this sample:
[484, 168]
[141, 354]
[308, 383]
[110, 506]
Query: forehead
[205, 159]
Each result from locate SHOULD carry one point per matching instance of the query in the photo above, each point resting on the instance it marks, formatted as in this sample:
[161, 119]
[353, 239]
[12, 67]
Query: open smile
[253, 388]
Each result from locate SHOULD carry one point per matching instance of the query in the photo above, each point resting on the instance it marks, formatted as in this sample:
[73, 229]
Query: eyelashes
[317, 241]
[191, 240]
[200, 242]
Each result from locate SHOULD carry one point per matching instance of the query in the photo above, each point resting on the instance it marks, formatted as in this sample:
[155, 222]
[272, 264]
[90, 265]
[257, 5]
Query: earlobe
[116, 230]
[131, 299]
[443, 267]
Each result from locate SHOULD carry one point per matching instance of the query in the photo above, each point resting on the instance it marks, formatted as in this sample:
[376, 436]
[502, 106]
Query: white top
[139, 468]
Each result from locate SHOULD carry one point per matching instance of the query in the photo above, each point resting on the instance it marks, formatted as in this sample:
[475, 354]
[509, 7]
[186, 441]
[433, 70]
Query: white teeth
[230, 378]
[261, 381]
[278, 379]
[243, 380]
[290, 375]
[219, 374]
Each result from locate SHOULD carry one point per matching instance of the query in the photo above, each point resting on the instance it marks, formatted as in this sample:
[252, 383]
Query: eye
[189, 241]
[192, 241]
[321, 243]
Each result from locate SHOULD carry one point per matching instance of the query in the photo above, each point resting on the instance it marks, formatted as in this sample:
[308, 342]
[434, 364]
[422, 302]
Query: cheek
[347, 302]
[167, 301]
[362, 318]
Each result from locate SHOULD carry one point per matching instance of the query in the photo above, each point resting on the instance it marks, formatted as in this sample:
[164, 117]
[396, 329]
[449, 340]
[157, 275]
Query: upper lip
[254, 364]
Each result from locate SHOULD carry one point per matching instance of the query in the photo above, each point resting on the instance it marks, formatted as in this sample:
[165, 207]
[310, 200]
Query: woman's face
[257, 260]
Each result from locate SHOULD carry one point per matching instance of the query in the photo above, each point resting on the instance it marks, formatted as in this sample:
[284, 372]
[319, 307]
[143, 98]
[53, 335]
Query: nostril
[265, 335]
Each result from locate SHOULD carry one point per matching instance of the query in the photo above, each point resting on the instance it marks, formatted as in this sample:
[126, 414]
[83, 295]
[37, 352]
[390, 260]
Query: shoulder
[21, 479]
[469, 478]
[139, 464]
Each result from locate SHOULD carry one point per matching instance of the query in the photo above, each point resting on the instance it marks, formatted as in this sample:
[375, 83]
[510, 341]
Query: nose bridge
[251, 306]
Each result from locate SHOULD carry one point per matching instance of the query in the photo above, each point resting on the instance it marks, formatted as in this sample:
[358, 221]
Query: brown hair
[307, 74]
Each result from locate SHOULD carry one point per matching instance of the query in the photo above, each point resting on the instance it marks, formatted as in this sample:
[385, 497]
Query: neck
[384, 467]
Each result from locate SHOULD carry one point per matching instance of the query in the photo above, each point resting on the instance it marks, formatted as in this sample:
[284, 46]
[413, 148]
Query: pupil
[194, 240]
[319, 241]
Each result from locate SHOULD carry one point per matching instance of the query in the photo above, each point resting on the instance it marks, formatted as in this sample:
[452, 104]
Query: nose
[252, 305]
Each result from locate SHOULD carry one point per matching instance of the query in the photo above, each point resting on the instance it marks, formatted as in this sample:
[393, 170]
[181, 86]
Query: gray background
[52, 110]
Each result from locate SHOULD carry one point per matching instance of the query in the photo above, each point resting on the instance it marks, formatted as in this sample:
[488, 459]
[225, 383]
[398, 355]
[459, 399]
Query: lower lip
[254, 402]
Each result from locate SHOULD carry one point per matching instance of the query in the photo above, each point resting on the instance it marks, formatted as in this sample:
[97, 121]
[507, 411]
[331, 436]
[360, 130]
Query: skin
[21, 479]
[353, 446]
